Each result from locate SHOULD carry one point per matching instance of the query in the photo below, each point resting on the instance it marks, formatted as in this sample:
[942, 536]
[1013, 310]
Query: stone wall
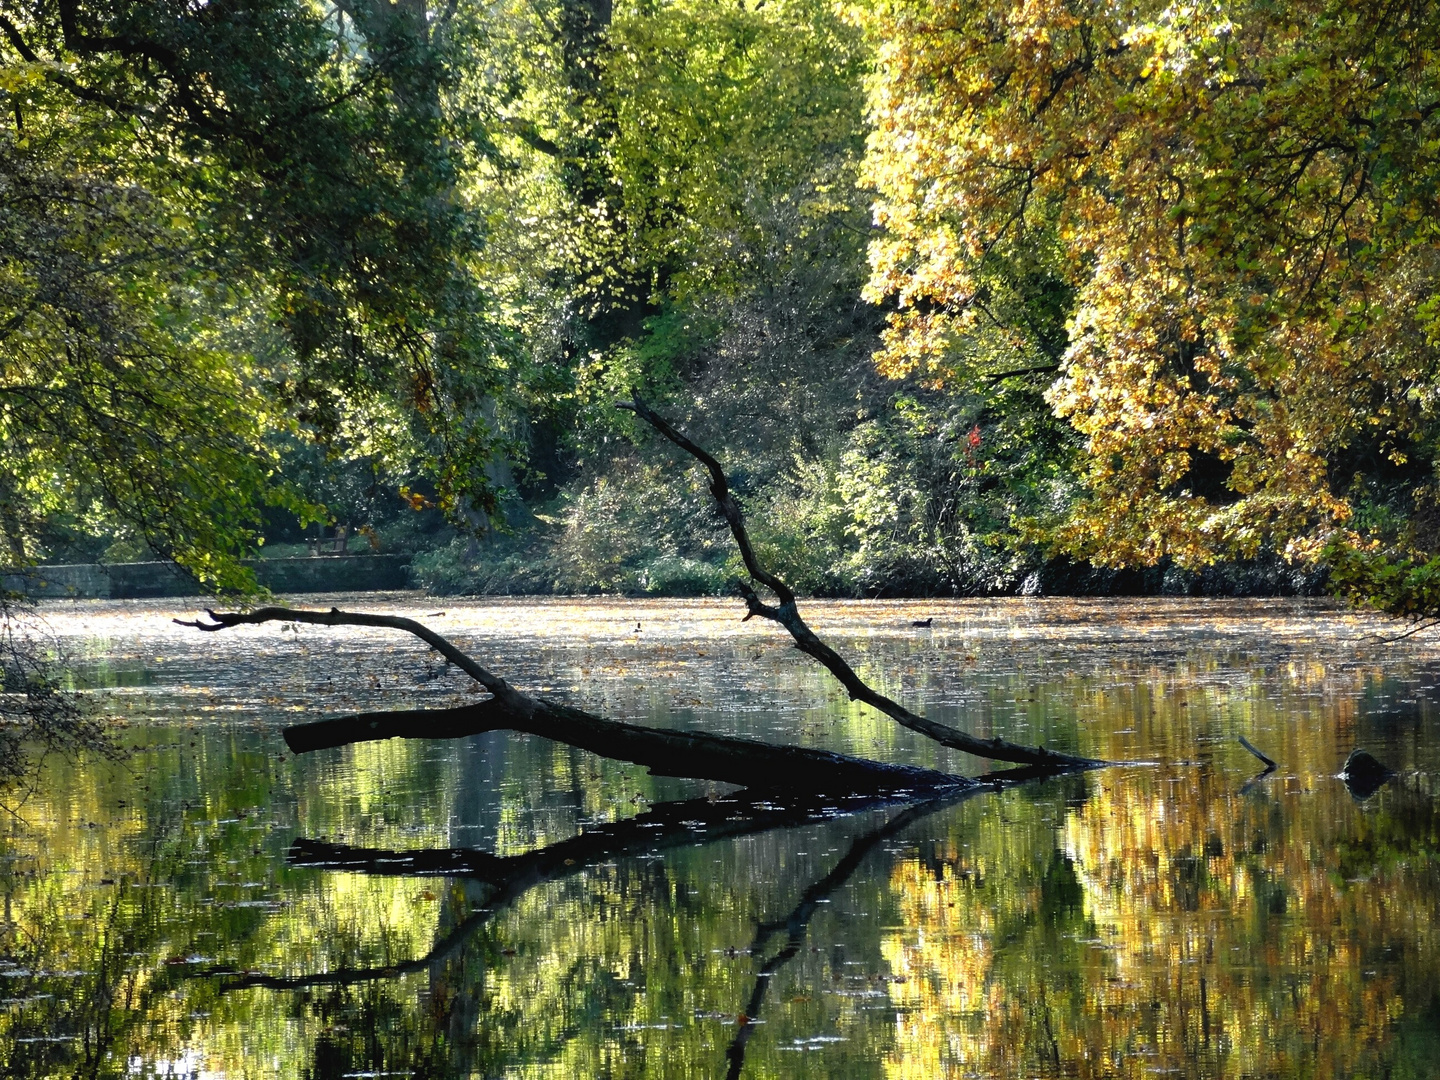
[128, 581]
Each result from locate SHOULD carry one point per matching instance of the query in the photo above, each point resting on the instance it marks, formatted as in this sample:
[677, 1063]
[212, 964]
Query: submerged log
[1364, 774]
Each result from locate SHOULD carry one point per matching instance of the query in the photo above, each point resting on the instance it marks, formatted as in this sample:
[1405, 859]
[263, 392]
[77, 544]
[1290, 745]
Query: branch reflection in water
[667, 825]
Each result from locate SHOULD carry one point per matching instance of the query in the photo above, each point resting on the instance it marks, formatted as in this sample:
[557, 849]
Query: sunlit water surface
[1173, 915]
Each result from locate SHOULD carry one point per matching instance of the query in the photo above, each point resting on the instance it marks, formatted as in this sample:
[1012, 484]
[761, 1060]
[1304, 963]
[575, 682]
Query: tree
[221, 225]
[1241, 198]
[278, 188]
[118, 399]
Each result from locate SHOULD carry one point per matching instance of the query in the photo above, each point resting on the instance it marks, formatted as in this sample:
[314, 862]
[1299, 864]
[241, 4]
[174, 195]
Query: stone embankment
[131, 581]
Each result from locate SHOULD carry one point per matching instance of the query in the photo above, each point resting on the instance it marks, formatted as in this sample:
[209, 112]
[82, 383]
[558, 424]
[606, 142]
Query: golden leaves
[1240, 206]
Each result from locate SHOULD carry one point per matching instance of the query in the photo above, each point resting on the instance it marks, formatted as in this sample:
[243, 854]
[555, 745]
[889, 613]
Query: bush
[38, 716]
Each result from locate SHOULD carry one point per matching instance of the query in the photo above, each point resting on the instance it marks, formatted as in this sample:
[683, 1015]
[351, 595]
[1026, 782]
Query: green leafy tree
[288, 178]
[118, 400]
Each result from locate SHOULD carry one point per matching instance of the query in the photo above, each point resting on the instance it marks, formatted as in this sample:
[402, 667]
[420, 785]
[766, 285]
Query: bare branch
[502, 690]
[787, 614]
[1420, 626]
[720, 489]
[694, 755]
[1015, 373]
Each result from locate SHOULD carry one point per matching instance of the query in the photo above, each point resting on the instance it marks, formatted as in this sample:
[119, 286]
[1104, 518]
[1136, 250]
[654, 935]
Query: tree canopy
[1242, 199]
[224, 220]
[1146, 288]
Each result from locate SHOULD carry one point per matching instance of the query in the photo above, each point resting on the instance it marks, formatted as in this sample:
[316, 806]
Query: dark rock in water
[1363, 774]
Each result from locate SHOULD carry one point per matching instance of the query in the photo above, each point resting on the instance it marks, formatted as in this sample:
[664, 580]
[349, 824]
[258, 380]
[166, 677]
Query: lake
[214, 906]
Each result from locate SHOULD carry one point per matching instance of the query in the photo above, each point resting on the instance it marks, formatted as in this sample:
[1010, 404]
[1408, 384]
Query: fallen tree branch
[694, 755]
[1420, 626]
[787, 614]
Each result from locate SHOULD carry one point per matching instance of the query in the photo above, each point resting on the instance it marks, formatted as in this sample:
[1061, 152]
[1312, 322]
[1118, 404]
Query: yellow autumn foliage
[1245, 195]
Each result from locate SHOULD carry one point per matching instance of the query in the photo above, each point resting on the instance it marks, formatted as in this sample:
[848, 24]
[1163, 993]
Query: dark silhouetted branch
[694, 755]
[1270, 766]
[787, 614]
[1015, 373]
[502, 690]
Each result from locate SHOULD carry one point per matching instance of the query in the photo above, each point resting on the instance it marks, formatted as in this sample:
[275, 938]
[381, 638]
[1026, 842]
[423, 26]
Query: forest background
[970, 298]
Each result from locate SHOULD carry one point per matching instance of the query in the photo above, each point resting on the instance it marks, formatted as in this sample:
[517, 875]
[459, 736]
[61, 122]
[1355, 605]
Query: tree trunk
[698, 756]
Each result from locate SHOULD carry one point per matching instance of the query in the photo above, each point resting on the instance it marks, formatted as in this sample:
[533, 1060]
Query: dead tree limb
[787, 614]
[503, 691]
[694, 755]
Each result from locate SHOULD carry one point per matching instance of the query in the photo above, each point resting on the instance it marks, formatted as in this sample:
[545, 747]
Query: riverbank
[151, 580]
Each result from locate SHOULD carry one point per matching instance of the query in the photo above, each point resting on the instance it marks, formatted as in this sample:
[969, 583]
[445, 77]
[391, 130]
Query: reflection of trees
[76, 996]
[1179, 926]
[509, 877]
[1156, 920]
[457, 985]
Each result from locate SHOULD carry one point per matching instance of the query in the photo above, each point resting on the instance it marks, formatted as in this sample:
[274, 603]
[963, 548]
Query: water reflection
[505, 907]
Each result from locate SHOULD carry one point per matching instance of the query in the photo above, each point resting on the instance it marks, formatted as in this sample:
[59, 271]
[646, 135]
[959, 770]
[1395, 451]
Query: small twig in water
[1270, 766]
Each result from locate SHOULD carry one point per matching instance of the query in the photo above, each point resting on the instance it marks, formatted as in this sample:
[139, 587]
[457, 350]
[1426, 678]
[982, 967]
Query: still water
[215, 906]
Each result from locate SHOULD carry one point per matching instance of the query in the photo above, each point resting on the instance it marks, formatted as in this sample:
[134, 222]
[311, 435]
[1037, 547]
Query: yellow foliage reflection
[1177, 924]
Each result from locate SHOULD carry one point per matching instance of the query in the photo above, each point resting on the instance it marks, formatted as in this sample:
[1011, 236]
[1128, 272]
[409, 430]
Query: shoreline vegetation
[520, 566]
[280, 276]
[533, 566]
